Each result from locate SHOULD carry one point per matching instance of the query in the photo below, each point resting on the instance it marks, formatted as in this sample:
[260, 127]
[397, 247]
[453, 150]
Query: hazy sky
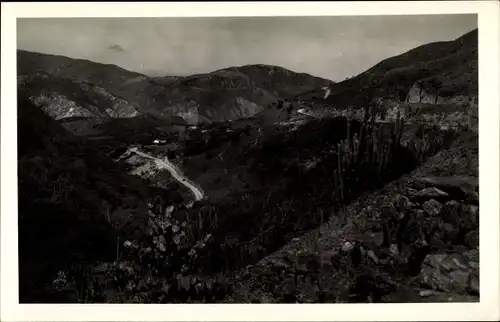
[330, 47]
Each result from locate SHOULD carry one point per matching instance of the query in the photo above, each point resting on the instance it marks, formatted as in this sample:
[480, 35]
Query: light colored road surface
[166, 164]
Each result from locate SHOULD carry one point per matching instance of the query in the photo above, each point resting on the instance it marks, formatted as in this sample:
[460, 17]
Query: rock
[432, 207]
[130, 286]
[457, 261]
[462, 182]
[347, 246]
[394, 251]
[473, 213]
[372, 255]
[402, 202]
[473, 284]
[184, 282]
[426, 293]
[160, 243]
[446, 272]
[472, 256]
[432, 192]
[125, 267]
[472, 239]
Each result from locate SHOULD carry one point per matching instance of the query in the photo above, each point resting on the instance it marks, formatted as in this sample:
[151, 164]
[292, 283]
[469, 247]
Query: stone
[432, 207]
[394, 251]
[402, 202]
[372, 255]
[457, 261]
[426, 293]
[462, 182]
[473, 213]
[472, 239]
[160, 243]
[472, 257]
[446, 272]
[473, 284]
[432, 192]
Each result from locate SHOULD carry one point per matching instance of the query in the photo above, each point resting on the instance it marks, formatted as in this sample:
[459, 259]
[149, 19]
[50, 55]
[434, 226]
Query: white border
[487, 309]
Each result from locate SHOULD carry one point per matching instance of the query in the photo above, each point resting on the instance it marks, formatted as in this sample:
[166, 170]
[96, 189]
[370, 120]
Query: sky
[333, 47]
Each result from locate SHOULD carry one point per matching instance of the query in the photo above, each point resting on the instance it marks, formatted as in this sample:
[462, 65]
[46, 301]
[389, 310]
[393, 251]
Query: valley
[250, 184]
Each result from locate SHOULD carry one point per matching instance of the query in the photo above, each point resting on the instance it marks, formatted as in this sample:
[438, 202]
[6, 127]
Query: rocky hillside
[64, 98]
[433, 73]
[226, 94]
[432, 219]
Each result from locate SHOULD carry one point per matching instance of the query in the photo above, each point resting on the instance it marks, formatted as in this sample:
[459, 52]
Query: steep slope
[445, 69]
[63, 98]
[227, 94]
[282, 82]
[110, 77]
[71, 196]
[218, 96]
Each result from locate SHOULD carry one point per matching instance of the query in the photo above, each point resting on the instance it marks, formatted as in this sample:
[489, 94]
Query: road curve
[166, 164]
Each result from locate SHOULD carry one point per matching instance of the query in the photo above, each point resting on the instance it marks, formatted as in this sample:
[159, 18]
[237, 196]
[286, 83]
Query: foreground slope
[72, 197]
[438, 221]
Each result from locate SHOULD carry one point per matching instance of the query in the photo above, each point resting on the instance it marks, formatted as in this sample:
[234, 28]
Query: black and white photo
[248, 159]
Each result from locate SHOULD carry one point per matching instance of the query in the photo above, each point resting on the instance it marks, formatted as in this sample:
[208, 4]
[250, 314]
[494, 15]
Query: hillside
[72, 197]
[64, 98]
[230, 186]
[227, 94]
[450, 67]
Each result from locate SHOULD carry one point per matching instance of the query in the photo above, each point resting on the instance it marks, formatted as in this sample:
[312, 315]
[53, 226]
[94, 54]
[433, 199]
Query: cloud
[116, 48]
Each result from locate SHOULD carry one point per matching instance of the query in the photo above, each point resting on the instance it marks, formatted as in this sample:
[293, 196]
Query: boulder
[431, 192]
[432, 207]
[450, 273]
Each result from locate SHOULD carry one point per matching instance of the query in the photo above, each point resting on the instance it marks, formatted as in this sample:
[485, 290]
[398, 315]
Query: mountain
[226, 94]
[447, 69]
[63, 98]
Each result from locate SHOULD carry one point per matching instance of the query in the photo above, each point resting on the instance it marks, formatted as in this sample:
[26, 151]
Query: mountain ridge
[224, 94]
[449, 65]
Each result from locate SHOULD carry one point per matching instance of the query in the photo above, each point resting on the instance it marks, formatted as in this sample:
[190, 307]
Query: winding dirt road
[166, 164]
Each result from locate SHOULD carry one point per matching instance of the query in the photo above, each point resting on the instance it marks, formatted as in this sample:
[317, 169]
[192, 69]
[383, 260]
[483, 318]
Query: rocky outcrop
[64, 98]
[423, 95]
[416, 240]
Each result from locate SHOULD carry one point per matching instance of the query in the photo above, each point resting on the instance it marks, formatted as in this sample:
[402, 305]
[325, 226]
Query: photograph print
[314, 159]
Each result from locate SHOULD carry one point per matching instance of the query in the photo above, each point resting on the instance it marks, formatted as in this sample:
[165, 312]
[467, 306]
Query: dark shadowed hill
[110, 77]
[72, 197]
[227, 94]
[446, 69]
